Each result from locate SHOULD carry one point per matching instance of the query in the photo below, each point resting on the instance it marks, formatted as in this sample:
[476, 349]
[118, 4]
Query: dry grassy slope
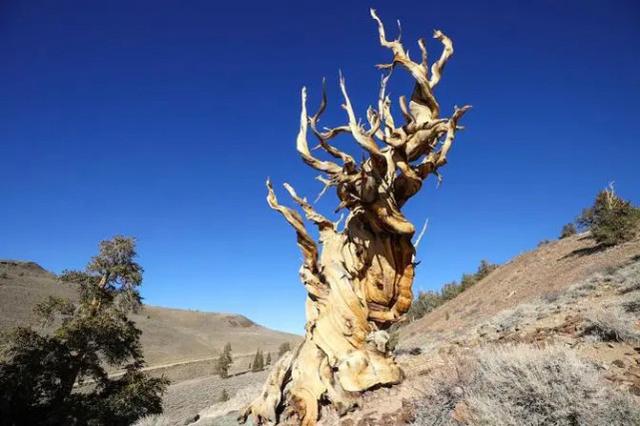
[545, 270]
[169, 335]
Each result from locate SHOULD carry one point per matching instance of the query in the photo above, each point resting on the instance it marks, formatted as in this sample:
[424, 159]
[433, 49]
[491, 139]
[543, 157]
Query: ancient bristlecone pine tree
[360, 283]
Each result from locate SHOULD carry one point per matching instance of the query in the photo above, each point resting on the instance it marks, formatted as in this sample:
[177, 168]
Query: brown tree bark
[360, 283]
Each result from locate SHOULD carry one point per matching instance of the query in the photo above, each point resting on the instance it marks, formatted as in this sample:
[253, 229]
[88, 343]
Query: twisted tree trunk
[360, 284]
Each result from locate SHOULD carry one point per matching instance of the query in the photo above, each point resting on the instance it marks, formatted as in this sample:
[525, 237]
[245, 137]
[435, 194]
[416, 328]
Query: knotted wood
[359, 284]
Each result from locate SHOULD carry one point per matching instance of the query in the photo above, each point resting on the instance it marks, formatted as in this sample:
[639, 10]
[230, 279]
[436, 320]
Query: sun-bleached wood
[360, 283]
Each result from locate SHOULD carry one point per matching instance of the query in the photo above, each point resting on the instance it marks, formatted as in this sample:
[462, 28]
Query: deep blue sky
[162, 120]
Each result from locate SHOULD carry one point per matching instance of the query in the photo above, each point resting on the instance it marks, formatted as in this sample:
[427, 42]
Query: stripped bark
[359, 284]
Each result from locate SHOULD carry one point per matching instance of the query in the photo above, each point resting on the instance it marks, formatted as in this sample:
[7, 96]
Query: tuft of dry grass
[612, 325]
[632, 305]
[513, 319]
[524, 385]
[628, 277]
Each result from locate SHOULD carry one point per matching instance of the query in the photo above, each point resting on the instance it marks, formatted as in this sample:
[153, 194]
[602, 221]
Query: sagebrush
[524, 385]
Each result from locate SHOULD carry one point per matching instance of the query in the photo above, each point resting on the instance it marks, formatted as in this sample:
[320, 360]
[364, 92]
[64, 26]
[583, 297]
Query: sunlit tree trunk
[359, 284]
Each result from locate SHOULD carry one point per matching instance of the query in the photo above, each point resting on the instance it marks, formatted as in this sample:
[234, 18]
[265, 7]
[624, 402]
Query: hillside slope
[168, 335]
[539, 273]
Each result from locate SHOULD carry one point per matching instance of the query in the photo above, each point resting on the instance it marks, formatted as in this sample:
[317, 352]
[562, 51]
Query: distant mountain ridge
[168, 335]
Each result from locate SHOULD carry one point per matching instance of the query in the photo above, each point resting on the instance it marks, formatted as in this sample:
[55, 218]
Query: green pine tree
[611, 220]
[258, 361]
[39, 370]
[224, 361]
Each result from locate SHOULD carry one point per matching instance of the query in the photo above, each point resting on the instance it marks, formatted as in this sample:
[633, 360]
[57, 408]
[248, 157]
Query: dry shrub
[631, 287]
[583, 288]
[524, 385]
[632, 305]
[515, 318]
[612, 325]
[568, 230]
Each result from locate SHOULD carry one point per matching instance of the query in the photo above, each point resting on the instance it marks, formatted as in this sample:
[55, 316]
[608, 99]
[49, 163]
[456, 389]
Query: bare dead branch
[306, 243]
[364, 139]
[424, 105]
[438, 159]
[322, 222]
[423, 49]
[422, 231]
[405, 111]
[303, 146]
[452, 127]
[438, 66]
[324, 137]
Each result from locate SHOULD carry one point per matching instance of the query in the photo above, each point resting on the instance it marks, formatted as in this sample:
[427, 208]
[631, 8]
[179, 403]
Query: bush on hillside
[39, 372]
[450, 291]
[429, 300]
[524, 385]
[611, 219]
[612, 325]
[484, 269]
[632, 306]
[284, 348]
[568, 230]
[224, 396]
[423, 304]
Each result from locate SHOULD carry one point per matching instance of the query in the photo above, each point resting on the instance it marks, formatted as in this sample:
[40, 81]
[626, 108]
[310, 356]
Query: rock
[192, 419]
[415, 351]
[460, 413]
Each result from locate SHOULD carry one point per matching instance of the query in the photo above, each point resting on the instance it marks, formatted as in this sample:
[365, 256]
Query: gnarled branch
[303, 146]
[324, 137]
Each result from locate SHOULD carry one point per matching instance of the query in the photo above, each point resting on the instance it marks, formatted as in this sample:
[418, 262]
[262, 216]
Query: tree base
[303, 380]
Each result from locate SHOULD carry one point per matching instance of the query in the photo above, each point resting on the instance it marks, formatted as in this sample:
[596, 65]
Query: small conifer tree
[568, 230]
[224, 361]
[39, 371]
[611, 220]
[258, 361]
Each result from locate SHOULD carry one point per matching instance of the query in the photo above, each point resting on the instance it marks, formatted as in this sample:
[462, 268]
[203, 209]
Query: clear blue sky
[162, 120]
